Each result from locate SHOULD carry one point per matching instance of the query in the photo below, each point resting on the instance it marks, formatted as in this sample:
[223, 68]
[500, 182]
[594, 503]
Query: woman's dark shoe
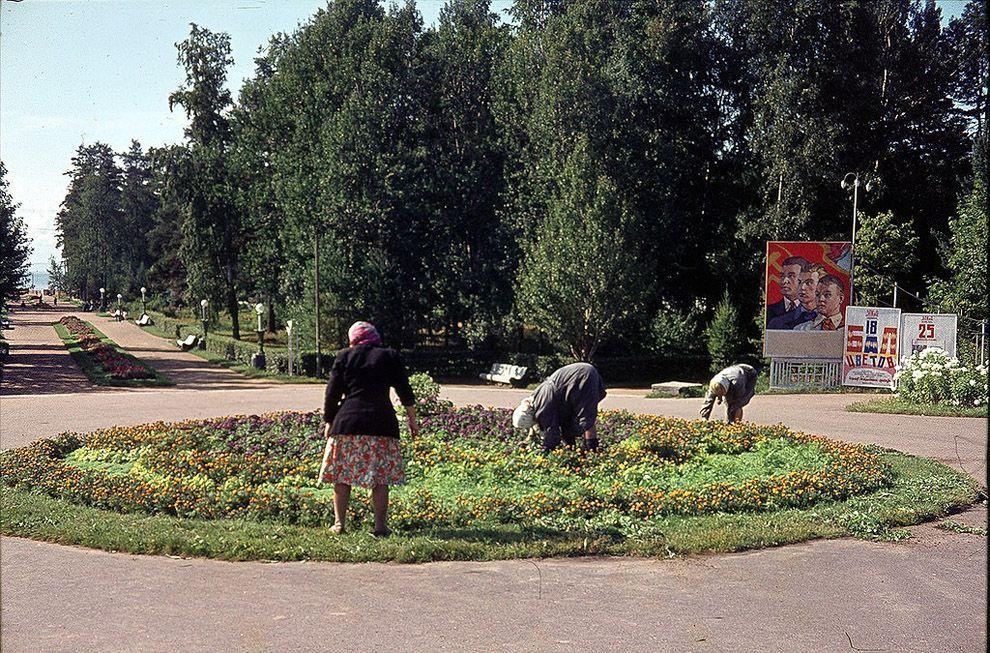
[382, 533]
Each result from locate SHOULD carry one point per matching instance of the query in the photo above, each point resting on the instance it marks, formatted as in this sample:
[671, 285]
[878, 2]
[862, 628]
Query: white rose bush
[930, 376]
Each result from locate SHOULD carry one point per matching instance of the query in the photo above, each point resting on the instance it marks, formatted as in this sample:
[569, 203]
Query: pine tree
[725, 334]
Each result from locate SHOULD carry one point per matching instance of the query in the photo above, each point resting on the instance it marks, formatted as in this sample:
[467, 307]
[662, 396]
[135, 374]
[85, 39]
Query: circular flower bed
[468, 468]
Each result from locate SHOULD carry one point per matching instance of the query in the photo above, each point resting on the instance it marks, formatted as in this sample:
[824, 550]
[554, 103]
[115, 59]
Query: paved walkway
[39, 363]
[187, 370]
[925, 594]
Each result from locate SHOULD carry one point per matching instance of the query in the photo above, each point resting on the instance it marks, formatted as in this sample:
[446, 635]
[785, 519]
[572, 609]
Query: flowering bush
[427, 392]
[107, 356]
[467, 467]
[930, 376]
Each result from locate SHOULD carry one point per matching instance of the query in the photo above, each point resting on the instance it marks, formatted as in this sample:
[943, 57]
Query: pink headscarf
[363, 333]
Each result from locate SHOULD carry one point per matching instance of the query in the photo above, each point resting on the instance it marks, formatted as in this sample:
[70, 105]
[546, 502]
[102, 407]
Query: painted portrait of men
[831, 294]
[807, 300]
[788, 279]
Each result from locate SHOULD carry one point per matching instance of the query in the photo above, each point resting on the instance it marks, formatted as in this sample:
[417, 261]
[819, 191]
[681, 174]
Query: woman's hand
[411, 420]
[326, 429]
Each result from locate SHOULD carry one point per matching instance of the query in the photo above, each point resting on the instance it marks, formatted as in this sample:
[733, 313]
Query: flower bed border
[922, 490]
[95, 373]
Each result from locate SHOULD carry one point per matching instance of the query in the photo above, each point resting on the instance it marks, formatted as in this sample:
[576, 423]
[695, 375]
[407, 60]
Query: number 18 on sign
[871, 349]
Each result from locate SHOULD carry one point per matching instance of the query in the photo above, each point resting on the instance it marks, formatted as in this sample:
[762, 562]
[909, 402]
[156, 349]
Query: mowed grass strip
[898, 406]
[921, 490]
[95, 372]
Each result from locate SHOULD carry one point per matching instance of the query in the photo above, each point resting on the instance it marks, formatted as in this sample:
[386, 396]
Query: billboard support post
[895, 295]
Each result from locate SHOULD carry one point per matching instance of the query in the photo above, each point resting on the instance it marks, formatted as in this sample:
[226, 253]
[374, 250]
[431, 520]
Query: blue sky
[101, 70]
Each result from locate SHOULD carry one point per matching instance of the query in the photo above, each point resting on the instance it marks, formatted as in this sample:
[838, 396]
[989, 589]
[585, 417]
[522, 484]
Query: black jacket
[361, 376]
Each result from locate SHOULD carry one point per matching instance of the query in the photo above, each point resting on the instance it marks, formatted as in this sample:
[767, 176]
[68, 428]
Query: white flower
[972, 382]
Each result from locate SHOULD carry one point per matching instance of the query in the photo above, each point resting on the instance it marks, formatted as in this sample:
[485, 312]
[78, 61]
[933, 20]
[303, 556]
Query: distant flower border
[103, 357]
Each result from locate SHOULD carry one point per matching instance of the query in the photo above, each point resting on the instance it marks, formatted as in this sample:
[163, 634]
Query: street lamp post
[120, 314]
[289, 324]
[103, 302]
[144, 301]
[202, 305]
[852, 181]
[258, 360]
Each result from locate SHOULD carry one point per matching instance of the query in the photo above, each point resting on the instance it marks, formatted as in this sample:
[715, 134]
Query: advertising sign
[871, 349]
[922, 330]
[807, 292]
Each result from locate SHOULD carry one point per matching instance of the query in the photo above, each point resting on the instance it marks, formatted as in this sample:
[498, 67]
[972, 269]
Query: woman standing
[360, 425]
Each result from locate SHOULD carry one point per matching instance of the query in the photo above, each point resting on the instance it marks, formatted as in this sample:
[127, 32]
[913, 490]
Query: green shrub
[931, 377]
[726, 338]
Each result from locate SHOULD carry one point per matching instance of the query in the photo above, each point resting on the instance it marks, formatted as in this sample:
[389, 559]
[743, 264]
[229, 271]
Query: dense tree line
[15, 246]
[591, 168]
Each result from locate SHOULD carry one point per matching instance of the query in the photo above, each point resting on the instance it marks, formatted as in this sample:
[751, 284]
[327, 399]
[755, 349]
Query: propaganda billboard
[922, 330]
[871, 346]
[807, 292]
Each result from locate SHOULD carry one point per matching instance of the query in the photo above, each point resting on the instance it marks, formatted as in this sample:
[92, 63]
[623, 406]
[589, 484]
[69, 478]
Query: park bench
[144, 320]
[502, 373]
[191, 341]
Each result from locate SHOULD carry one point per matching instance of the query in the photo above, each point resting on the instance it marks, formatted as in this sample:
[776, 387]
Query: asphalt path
[925, 594]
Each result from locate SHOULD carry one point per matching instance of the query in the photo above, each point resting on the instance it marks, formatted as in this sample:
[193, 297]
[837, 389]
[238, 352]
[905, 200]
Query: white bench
[144, 320]
[191, 341]
[502, 373]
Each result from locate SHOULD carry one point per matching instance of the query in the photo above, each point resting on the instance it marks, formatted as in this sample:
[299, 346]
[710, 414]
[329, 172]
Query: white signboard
[922, 330]
[871, 346]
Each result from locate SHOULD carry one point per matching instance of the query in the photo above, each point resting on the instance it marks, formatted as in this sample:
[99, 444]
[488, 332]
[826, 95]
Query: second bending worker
[564, 407]
[737, 385]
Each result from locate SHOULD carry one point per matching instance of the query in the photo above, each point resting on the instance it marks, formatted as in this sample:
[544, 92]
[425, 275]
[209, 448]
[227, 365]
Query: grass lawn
[96, 373]
[898, 406]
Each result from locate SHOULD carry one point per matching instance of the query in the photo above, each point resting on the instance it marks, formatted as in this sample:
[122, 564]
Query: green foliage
[427, 393]
[726, 336]
[579, 276]
[15, 247]
[422, 164]
[676, 331]
[965, 292]
[886, 252]
[200, 175]
[931, 377]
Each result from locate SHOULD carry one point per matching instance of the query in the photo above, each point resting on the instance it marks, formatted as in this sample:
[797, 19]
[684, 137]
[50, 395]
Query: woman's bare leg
[341, 497]
[379, 502]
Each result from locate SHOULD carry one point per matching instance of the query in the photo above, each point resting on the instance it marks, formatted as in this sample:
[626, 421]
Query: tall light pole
[259, 358]
[120, 315]
[144, 302]
[103, 302]
[202, 305]
[316, 275]
[288, 336]
[852, 181]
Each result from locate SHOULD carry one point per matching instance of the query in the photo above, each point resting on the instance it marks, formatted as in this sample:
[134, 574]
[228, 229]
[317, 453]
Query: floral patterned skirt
[363, 460]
